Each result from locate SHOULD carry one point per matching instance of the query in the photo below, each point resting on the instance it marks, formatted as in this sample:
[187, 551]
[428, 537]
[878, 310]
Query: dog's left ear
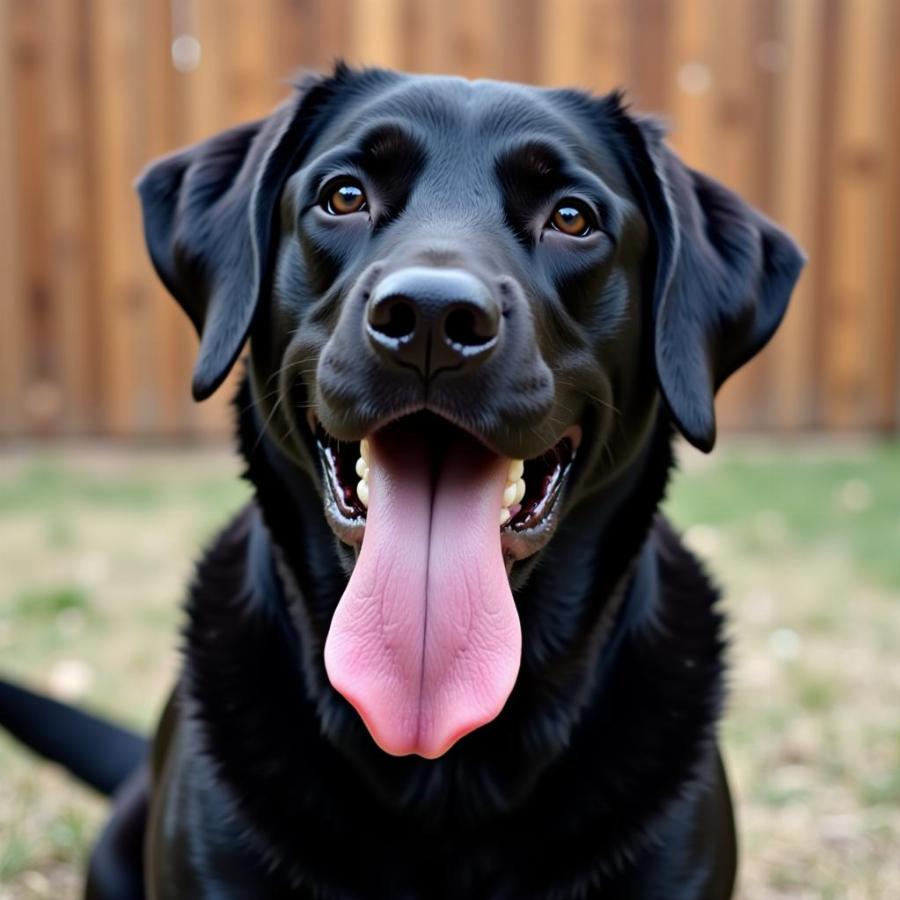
[724, 274]
[209, 215]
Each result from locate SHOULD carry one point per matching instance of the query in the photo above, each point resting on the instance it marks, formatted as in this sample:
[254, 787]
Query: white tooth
[520, 491]
[364, 450]
[362, 491]
[516, 469]
[504, 516]
[509, 495]
[361, 468]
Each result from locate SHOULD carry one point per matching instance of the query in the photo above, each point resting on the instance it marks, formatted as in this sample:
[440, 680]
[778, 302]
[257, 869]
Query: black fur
[521, 806]
[601, 776]
[104, 756]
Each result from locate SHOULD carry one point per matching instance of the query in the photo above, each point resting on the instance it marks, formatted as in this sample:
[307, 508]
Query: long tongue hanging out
[425, 642]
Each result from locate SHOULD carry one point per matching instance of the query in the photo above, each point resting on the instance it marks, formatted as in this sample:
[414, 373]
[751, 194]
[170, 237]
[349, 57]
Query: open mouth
[530, 498]
[425, 642]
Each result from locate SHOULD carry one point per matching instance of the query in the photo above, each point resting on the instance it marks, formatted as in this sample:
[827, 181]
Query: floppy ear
[209, 218]
[724, 275]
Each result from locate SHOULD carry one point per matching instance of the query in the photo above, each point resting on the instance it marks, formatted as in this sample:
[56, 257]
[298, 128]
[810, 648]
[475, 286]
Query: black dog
[509, 687]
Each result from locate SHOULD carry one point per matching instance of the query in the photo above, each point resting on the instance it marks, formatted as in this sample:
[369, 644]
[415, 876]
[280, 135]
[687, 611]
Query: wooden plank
[70, 297]
[739, 147]
[691, 82]
[565, 60]
[887, 392]
[651, 22]
[12, 333]
[585, 44]
[608, 38]
[515, 40]
[796, 206]
[375, 28]
[123, 349]
[252, 87]
[166, 323]
[297, 41]
[475, 58]
[42, 402]
[825, 138]
[331, 27]
[206, 107]
[194, 114]
[430, 37]
[851, 350]
[253, 80]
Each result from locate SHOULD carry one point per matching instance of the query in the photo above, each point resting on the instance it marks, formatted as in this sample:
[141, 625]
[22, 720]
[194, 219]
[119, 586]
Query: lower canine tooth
[362, 491]
[361, 468]
[509, 494]
[504, 516]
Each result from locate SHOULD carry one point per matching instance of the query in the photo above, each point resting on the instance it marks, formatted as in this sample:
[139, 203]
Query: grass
[95, 550]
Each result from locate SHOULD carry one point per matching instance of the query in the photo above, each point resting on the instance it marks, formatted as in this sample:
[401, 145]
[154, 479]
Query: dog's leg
[116, 870]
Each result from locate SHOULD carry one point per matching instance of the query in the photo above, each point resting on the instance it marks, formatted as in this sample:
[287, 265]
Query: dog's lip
[519, 540]
[313, 421]
[523, 538]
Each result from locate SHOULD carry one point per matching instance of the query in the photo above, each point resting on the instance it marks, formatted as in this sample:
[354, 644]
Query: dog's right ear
[209, 213]
[723, 275]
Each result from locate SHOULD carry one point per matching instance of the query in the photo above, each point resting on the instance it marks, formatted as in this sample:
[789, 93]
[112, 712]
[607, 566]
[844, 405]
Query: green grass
[49, 487]
[96, 550]
[819, 504]
[48, 603]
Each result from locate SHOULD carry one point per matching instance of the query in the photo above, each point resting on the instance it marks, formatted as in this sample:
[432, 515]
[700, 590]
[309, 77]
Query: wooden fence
[794, 103]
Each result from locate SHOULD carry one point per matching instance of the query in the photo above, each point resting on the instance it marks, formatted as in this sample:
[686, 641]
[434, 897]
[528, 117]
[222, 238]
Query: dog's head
[467, 304]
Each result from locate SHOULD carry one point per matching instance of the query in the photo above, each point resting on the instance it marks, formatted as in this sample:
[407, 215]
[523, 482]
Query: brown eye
[345, 199]
[570, 218]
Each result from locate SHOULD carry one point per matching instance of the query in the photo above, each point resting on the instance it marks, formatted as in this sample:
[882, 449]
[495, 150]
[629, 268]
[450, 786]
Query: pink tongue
[425, 643]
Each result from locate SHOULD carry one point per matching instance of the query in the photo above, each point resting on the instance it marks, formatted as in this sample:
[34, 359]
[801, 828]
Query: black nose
[433, 319]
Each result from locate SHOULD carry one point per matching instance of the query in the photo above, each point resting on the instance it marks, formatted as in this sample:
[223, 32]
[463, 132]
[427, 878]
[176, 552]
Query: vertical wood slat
[196, 111]
[122, 348]
[375, 30]
[12, 330]
[608, 30]
[738, 128]
[650, 26]
[430, 36]
[690, 82]
[166, 322]
[889, 391]
[40, 394]
[331, 24]
[68, 218]
[208, 109]
[474, 39]
[795, 206]
[856, 168]
[514, 40]
[90, 343]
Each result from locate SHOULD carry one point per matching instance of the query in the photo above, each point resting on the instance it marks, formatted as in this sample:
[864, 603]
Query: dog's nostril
[431, 320]
[468, 327]
[394, 319]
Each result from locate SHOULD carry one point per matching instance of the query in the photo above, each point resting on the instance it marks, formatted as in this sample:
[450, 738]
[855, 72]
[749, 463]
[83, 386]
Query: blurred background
[111, 479]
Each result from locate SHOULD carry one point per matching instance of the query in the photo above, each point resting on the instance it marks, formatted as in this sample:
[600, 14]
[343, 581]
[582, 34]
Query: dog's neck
[636, 607]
